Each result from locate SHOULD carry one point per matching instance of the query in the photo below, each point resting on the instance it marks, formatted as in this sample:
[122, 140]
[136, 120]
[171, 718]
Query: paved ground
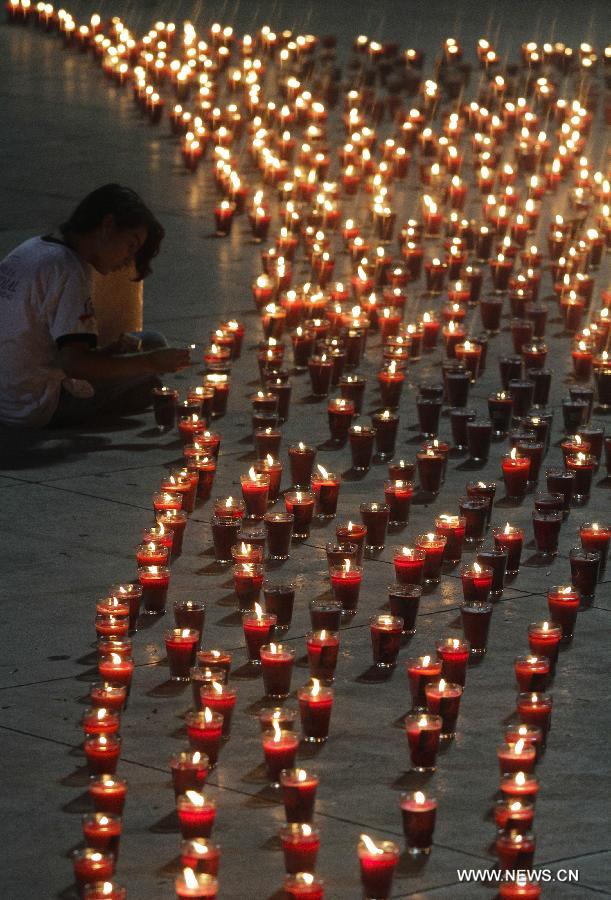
[74, 504]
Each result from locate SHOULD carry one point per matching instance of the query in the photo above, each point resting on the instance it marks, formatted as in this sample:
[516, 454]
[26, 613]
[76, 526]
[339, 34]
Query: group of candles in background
[262, 103]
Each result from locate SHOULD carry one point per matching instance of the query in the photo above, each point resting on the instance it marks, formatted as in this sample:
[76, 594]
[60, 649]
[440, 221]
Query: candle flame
[315, 689]
[426, 661]
[258, 611]
[189, 875]
[207, 715]
[196, 798]
[371, 846]
[217, 687]
[520, 778]
[442, 684]
[519, 746]
[322, 471]
[420, 798]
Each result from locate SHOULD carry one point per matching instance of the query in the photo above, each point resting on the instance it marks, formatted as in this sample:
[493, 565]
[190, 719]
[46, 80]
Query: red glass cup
[279, 749]
[181, 646]
[596, 537]
[258, 627]
[378, 861]
[515, 850]
[279, 528]
[279, 601]
[102, 832]
[196, 814]
[304, 886]
[346, 585]
[104, 890]
[247, 583]
[420, 671]
[204, 732]
[433, 546]
[108, 793]
[544, 640]
[325, 614]
[190, 614]
[476, 582]
[189, 770]
[515, 815]
[532, 672]
[301, 505]
[91, 866]
[418, 814]
[298, 794]
[220, 698]
[546, 529]
[585, 566]
[300, 845]
[423, 732]
[301, 460]
[277, 661]
[189, 884]
[453, 529]
[476, 624]
[430, 464]
[102, 753]
[201, 855]
[535, 709]
[386, 634]
[398, 496]
[511, 539]
[563, 602]
[516, 757]
[375, 518]
[352, 533]
[443, 699]
[155, 581]
[108, 695]
[454, 656]
[323, 650]
[404, 602]
[315, 705]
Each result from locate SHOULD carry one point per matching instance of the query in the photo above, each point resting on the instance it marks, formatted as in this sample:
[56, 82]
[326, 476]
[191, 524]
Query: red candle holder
[199, 885]
[201, 855]
[375, 518]
[423, 732]
[325, 487]
[511, 539]
[298, 794]
[300, 846]
[108, 793]
[108, 695]
[535, 709]
[530, 733]
[476, 624]
[165, 400]
[514, 815]
[258, 628]
[346, 582]
[515, 850]
[476, 583]
[532, 672]
[116, 669]
[215, 659]
[323, 650]
[301, 505]
[176, 521]
[430, 465]
[418, 814]
[189, 771]
[315, 705]
[301, 460]
[516, 757]
[420, 671]
[378, 861]
[386, 634]
[563, 604]
[181, 646]
[255, 491]
[204, 731]
[454, 656]
[91, 866]
[583, 466]
[409, 565]
[386, 424]
[279, 749]
[99, 720]
[220, 698]
[196, 814]
[443, 699]
[453, 529]
[361, 439]
[102, 832]
[277, 662]
[102, 753]
[519, 786]
[546, 529]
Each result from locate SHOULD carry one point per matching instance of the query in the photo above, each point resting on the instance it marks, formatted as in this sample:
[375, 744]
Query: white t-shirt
[45, 296]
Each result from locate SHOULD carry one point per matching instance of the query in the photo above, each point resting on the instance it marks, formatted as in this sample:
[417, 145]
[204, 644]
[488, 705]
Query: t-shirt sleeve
[69, 308]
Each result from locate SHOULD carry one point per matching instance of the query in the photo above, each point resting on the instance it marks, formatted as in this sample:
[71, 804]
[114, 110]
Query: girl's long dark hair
[128, 211]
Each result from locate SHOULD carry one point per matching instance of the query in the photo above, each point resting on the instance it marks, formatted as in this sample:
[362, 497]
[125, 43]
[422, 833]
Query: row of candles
[318, 494]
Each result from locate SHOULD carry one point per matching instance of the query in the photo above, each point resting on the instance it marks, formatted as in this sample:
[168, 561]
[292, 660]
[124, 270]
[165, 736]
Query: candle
[511, 539]
[409, 565]
[423, 731]
[375, 518]
[352, 533]
[325, 487]
[519, 786]
[430, 464]
[315, 705]
[443, 699]
[102, 832]
[304, 886]
[516, 757]
[277, 662]
[377, 861]
[279, 601]
[361, 439]
[116, 669]
[386, 424]
[108, 695]
[386, 634]
[204, 731]
[454, 656]
[99, 720]
[563, 603]
[201, 855]
[257, 627]
[220, 698]
[165, 400]
[181, 646]
[516, 470]
[346, 584]
[532, 672]
[298, 794]
[198, 885]
[476, 623]
[514, 815]
[132, 593]
[91, 866]
[476, 583]
[279, 749]
[196, 814]
[189, 771]
[340, 412]
[546, 529]
[583, 466]
[418, 813]
[224, 533]
[155, 581]
[301, 505]
[535, 709]
[247, 582]
[102, 753]
[420, 671]
[104, 890]
[531, 733]
[323, 650]
[176, 521]
[255, 491]
[515, 850]
[453, 529]
[107, 793]
[300, 845]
